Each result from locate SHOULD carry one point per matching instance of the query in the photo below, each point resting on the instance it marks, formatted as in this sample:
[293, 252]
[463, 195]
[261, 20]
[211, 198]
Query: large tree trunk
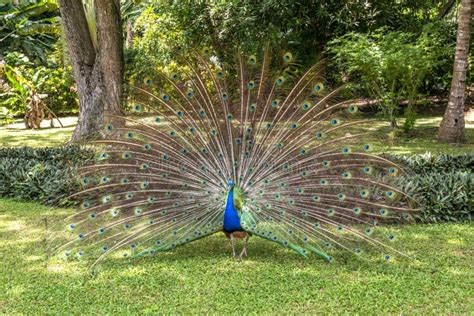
[98, 71]
[452, 125]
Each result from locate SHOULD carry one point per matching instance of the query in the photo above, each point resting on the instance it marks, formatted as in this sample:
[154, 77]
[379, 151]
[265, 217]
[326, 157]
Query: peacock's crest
[304, 178]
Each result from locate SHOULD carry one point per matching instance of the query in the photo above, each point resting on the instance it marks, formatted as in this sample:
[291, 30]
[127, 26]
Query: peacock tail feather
[302, 179]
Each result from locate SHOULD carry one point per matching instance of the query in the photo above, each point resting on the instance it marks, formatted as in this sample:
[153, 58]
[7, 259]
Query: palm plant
[31, 28]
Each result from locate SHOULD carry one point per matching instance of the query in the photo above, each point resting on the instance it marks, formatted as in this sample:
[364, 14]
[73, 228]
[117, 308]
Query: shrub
[45, 175]
[443, 184]
[444, 196]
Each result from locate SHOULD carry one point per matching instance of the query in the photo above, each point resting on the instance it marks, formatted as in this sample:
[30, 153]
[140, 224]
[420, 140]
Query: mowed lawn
[380, 136]
[203, 278]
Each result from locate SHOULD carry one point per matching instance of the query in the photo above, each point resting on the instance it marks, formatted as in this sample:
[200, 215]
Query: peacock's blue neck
[231, 216]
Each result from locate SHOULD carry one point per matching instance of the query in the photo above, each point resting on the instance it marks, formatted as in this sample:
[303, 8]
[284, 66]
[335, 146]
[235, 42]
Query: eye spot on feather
[126, 155]
[383, 212]
[280, 80]
[137, 211]
[287, 57]
[352, 108]
[293, 125]
[147, 146]
[251, 84]
[366, 147]
[330, 212]
[189, 94]
[364, 193]
[219, 74]
[147, 81]
[346, 150]
[326, 163]
[165, 97]
[318, 88]
[392, 170]
[157, 119]
[369, 231]
[252, 107]
[202, 113]
[319, 135]
[180, 114]
[130, 135]
[275, 103]
[306, 105]
[357, 210]
[137, 108]
[252, 60]
[174, 76]
[323, 182]
[110, 127]
[341, 196]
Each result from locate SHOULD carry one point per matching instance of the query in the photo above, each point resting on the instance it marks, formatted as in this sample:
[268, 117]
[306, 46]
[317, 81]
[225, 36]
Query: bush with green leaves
[46, 175]
[391, 66]
[443, 185]
[56, 83]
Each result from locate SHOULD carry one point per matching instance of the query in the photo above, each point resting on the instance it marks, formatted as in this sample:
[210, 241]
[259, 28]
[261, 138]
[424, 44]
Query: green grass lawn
[422, 140]
[203, 278]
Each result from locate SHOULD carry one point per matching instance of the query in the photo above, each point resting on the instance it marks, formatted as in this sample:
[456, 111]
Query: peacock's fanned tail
[305, 180]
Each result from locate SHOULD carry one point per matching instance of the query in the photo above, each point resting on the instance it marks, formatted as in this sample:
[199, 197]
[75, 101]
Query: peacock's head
[231, 183]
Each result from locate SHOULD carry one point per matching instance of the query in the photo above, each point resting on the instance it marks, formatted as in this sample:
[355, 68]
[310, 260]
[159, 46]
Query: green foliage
[391, 66]
[303, 25]
[56, 84]
[436, 163]
[443, 184]
[31, 28]
[202, 277]
[6, 117]
[60, 88]
[45, 174]
[444, 196]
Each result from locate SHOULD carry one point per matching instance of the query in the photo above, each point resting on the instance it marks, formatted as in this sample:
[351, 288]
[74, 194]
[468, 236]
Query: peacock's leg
[244, 250]
[232, 244]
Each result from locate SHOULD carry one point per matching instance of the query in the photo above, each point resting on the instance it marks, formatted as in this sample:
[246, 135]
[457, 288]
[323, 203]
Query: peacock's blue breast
[231, 216]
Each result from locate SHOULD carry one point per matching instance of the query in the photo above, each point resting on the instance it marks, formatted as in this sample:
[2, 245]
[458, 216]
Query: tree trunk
[98, 71]
[130, 35]
[452, 126]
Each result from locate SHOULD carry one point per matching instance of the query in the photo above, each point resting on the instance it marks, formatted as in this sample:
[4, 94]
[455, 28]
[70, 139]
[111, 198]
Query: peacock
[257, 148]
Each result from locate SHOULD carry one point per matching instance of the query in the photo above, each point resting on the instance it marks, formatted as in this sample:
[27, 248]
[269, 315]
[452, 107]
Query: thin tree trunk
[98, 71]
[130, 35]
[452, 126]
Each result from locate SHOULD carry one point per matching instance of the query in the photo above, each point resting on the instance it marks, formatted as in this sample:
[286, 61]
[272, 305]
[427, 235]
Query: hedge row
[444, 184]
[45, 175]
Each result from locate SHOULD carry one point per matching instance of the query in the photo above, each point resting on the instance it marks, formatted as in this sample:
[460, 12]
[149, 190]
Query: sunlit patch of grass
[203, 278]
[380, 136]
